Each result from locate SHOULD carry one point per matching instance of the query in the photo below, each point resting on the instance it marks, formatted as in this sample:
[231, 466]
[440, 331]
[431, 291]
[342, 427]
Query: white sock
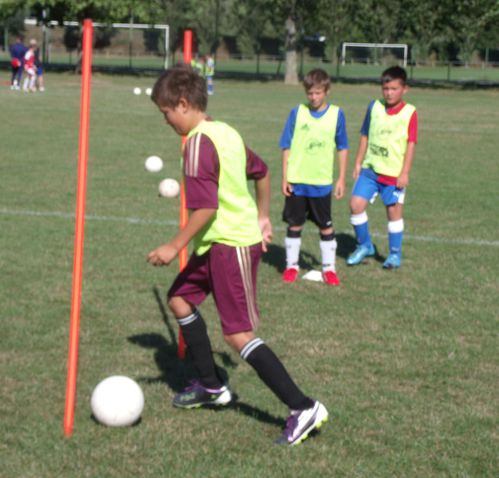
[293, 245]
[328, 252]
[25, 84]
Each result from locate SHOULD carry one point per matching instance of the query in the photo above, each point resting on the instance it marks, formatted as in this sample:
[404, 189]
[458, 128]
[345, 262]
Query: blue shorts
[368, 187]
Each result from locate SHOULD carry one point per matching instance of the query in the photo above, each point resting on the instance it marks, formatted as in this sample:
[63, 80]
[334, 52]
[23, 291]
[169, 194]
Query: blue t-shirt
[18, 50]
[341, 139]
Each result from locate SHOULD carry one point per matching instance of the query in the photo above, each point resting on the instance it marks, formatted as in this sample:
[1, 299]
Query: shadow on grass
[276, 255]
[175, 373]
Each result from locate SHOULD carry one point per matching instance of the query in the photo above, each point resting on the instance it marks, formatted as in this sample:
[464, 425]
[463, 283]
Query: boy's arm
[286, 188]
[262, 189]
[361, 152]
[403, 179]
[339, 189]
[163, 255]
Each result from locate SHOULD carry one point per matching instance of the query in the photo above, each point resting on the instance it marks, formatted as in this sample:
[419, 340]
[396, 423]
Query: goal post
[381, 46]
[54, 41]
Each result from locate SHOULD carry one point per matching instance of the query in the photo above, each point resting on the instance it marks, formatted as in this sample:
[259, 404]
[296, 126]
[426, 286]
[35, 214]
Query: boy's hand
[339, 190]
[266, 228]
[402, 181]
[163, 255]
[287, 188]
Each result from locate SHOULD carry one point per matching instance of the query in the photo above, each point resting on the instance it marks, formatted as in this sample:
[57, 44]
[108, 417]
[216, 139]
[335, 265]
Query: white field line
[171, 223]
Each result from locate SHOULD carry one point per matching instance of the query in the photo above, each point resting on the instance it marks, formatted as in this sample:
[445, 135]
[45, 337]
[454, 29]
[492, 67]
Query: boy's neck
[197, 117]
[322, 107]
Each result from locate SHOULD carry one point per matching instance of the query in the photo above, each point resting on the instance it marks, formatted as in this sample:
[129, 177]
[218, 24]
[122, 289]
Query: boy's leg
[395, 236]
[365, 190]
[294, 214]
[360, 223]
[320, 214]
[196, 338]
[234, 291]
[188, 290]
[292, 243]
[306, 414]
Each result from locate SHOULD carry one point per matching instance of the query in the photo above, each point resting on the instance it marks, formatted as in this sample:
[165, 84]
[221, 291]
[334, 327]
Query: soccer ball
[169, 188]
[117, 401]
[154, 164]
[137, 91]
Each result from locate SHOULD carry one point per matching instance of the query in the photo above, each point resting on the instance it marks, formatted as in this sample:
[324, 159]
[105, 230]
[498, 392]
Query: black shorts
[297, 209]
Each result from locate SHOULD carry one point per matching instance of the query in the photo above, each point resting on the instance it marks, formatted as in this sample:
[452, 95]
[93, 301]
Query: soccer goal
[384, 47]
[135, 45]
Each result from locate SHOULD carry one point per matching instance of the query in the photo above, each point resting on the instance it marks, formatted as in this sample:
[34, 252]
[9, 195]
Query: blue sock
[361, 228]
[395, 236]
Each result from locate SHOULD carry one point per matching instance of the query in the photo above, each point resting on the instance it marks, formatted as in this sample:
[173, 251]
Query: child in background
[17, 51]
[384, 159]
[29, 67]
[310, 137]
[40, 84]
[228, 231]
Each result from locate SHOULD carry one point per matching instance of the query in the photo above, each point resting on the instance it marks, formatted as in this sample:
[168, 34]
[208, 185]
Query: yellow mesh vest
[387, 141]
[236, 221]
[311, 156]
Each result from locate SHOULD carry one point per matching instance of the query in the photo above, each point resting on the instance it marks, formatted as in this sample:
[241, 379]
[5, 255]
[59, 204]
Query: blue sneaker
[392, 262]
[360, 254]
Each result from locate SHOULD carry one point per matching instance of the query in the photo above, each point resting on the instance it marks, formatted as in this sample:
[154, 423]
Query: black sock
[272, 372]
[198, 344]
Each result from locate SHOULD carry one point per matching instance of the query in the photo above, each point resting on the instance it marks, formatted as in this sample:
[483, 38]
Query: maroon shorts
[229, 273]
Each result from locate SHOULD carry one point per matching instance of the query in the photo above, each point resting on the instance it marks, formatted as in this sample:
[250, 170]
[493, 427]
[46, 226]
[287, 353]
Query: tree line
[446, 29]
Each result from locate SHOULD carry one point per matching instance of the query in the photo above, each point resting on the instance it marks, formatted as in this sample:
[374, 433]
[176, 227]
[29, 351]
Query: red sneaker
[290, 275]
[330, 278]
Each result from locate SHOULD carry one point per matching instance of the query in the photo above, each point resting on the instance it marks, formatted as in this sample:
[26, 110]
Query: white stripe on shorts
[244, 260]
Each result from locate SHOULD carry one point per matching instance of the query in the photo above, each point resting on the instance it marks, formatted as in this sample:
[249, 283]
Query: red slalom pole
[79, 228]
[183, 209]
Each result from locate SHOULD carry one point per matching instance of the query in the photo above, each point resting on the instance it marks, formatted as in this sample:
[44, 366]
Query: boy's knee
[239, 340]
[357, 205]
[179, 306]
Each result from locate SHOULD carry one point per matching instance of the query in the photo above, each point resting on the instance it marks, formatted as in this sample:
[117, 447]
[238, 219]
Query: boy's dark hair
[180, 81]
[316, 77]
[394, 73]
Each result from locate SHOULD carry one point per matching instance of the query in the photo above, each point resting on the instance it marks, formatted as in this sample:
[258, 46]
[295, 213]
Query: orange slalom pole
[79, 228]
[183, 208]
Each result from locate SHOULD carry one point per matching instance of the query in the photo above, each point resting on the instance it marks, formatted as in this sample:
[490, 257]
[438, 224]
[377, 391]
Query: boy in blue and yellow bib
[229, 231]
[384, 159]
[308, 142]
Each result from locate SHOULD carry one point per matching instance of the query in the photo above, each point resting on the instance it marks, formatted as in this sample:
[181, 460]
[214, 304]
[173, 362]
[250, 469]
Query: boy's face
[393, 91]
[316, 97]
[177, 117]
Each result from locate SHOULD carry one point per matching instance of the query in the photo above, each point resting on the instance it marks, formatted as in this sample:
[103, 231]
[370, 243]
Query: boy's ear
[183, 104]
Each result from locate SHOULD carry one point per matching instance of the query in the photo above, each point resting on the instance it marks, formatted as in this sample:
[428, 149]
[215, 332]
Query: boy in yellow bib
[384, 159]
[229, 232]
[308, 142]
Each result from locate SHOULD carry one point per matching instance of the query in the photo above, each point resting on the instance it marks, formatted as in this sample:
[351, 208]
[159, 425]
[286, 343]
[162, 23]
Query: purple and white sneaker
[196, 395]
[301, 422]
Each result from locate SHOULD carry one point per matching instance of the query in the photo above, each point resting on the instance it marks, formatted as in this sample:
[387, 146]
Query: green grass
[406, 361]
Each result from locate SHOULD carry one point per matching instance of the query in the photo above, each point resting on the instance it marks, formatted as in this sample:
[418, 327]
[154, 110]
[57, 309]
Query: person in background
[17, 51]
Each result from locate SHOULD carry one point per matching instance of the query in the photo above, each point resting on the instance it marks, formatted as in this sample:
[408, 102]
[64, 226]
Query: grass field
[405, 361]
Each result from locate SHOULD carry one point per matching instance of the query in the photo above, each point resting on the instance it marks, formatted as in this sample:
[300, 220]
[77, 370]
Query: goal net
[132, 45]
[375, 53]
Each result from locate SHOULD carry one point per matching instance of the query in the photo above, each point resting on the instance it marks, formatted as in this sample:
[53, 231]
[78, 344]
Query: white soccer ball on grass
[137, 91]
[153, 164]
[117, 401]
[169, 188]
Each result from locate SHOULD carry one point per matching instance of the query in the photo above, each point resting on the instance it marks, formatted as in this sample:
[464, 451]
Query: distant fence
[269, 68]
